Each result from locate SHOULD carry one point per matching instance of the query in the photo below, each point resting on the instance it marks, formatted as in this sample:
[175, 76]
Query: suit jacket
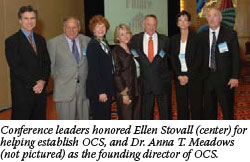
[99, 80]
[227, 63]
[26, 67]
[125, 72]
[189, 55]
[65, 69]
[155, 76]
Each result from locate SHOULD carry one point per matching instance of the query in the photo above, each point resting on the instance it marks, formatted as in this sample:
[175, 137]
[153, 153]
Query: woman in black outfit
[188, 87]
[100, 69]
[126, 76]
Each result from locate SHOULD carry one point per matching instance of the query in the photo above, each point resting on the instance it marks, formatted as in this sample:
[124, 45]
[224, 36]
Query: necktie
[32, 43]
[75, 51]
[213, 59]
[150, 49]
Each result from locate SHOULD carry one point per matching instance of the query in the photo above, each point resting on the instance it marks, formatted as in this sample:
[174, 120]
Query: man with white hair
[69, 69]
[220, 66]
[151, 51]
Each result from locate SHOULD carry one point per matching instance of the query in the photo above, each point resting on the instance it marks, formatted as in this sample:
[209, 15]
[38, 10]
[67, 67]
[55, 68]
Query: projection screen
[132, 12]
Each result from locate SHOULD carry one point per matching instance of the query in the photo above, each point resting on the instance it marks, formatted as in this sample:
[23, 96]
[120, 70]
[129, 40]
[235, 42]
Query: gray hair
[65, 20]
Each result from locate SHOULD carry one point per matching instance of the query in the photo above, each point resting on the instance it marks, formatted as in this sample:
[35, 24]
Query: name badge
[223, 47]
[162, 53]
[183, 62]
[84, 51]
[134, 53]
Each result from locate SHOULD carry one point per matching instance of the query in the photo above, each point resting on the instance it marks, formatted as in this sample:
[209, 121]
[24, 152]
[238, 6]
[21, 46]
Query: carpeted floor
[242, 105]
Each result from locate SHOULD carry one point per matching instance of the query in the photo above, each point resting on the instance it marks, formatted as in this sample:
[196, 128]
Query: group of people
[88, 75]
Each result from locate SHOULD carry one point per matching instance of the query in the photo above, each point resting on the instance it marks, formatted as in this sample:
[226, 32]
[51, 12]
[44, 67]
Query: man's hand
[38, 88]
[233, 83]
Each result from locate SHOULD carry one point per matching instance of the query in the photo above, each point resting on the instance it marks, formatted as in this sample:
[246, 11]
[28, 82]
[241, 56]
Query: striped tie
[32, 43]
[213, 58]
[75, 51]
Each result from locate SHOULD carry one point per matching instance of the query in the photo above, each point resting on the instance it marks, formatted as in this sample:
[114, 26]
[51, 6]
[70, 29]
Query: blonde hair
[118, 29]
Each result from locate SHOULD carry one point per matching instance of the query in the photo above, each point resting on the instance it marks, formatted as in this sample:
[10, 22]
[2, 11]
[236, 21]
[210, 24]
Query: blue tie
[75, 51]
[213, 59]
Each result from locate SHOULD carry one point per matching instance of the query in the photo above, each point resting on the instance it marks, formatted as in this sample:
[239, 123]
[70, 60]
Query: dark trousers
[189, 98]
[148, 104]
[101, 110]
[182, 99]
[196, 99]
[30, 107]
[216, 91]
[131, 111]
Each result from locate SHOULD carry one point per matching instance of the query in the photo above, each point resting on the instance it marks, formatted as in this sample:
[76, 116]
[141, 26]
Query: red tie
[150, 49]
[32, 43]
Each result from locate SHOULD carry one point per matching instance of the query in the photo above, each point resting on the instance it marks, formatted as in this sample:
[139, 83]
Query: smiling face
[123, 36]
[28, 21]
[214, 18]
[150, 25]
[100, 31]
[183, 22]
[71, 28]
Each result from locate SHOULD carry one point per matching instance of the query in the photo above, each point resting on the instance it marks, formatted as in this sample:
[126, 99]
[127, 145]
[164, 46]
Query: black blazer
[155, 76]
[100, 65]
[228, 63]
[125, 72]
[189, 55]
[26, 67]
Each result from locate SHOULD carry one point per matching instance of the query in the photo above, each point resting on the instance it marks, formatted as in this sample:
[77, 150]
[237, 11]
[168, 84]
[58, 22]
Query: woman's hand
[126, 100]
[103, 97]
[183, 80]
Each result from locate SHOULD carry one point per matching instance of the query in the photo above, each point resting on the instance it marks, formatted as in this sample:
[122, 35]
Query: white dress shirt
[70, 43]
[211, 40]
[182, 56]
[145, 43]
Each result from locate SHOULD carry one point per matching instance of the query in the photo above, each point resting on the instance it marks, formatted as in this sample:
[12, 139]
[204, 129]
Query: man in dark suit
[152, 50]
[29, 63]
[220, 66]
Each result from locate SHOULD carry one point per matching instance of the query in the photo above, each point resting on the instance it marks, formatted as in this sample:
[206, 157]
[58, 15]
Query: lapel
[141, 44]
[27, 43]
[207, 44]
[83, 44]
[177, 45]
[187, 56]
[38, 45]
[220, 38]
[65, 45]
[142, 54]
[160, 44]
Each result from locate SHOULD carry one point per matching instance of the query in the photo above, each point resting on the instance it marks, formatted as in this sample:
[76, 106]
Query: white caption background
[112, 141]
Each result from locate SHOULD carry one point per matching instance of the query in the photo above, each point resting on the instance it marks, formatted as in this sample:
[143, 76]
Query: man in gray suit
[69, 69]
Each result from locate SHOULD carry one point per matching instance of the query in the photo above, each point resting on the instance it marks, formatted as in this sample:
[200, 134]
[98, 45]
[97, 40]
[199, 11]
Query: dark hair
[26, 9]
[183, 13]
[151, 15]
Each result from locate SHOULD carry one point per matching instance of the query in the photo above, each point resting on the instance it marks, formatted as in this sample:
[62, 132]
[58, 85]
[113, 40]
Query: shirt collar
[153, 36]
[26, 33]
[70, 40]
[216, 30]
